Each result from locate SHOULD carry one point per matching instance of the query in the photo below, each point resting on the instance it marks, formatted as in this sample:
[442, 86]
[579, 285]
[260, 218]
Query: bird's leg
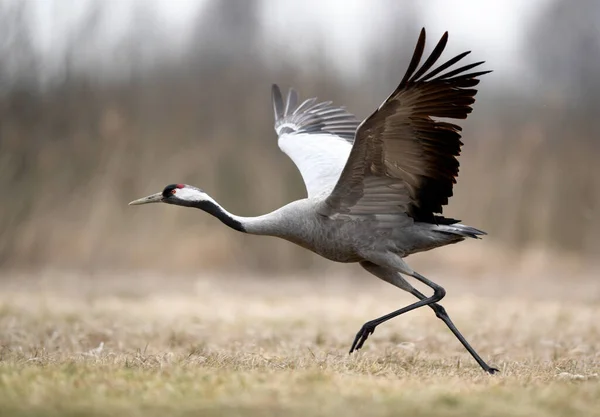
[394, 278]
[369, 327]
[440, 312]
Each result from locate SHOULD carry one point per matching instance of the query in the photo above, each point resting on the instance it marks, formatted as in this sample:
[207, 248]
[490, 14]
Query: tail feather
[461, 230]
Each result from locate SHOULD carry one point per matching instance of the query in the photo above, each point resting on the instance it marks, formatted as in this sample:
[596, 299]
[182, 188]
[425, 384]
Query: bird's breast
[333, 240]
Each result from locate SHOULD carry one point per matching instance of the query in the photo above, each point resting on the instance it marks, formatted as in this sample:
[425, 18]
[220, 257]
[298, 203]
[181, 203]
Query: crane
[375, 189]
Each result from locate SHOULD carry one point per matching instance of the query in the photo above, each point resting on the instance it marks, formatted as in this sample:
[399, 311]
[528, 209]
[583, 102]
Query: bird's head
[178, 194]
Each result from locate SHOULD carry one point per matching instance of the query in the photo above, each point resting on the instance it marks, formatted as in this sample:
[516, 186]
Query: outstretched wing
[316, 136]
[403, 162]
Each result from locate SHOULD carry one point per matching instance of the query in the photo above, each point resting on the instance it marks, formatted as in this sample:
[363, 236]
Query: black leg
[369, 327]
[440, 312]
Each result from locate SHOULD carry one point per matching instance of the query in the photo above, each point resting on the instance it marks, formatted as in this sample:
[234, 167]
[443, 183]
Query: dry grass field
[165, 346]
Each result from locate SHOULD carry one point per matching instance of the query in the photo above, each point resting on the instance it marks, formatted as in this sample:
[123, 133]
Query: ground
[225, 346]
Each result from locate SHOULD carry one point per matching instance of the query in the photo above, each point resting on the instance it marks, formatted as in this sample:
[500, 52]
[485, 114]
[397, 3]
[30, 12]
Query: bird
[376, 187]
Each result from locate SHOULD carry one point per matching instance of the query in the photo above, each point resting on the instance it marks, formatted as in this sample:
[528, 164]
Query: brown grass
[225, 346]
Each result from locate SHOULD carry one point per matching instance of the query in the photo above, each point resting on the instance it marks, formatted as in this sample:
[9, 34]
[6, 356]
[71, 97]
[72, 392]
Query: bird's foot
[491, 370]
[361, 337]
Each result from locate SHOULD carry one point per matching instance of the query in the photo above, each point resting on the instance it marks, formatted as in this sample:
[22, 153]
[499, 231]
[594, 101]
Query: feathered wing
[316, 136]
[403, 162]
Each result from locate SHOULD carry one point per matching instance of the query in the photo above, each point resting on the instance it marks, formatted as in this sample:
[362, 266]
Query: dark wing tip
[433, 57]
[311, 116]
[416, 58]
[277, 100]
[291, 103]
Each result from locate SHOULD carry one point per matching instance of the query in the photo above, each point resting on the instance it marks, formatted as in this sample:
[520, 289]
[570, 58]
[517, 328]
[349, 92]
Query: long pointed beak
[154, 198]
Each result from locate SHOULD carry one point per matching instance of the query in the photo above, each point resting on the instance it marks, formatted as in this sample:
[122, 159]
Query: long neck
[261, 225]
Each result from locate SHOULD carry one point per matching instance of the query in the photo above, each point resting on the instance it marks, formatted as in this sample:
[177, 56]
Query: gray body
[374, 187]
[354, 239]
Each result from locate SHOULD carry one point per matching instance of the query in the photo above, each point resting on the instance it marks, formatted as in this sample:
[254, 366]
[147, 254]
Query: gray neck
[261, 225]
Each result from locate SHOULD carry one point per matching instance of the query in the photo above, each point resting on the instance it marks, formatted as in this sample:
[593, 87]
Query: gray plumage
[375, 188]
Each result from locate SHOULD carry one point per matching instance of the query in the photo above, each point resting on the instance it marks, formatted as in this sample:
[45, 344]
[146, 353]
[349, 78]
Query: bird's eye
[173, 191]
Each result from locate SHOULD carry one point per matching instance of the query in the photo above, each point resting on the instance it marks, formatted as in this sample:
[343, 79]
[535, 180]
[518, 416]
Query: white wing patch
[320, 158]
[318, 137]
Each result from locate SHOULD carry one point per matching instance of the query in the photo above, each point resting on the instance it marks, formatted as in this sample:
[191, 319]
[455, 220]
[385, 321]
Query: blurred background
[103, 102]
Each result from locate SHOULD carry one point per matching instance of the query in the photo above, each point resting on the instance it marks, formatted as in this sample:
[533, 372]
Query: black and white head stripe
[311, 117]
[168, 191]
[186, 193]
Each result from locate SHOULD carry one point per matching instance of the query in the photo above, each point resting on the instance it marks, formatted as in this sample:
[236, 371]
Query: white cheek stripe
[190, 194]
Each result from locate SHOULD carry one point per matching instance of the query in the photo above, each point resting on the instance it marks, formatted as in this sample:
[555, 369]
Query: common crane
[374, 187]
